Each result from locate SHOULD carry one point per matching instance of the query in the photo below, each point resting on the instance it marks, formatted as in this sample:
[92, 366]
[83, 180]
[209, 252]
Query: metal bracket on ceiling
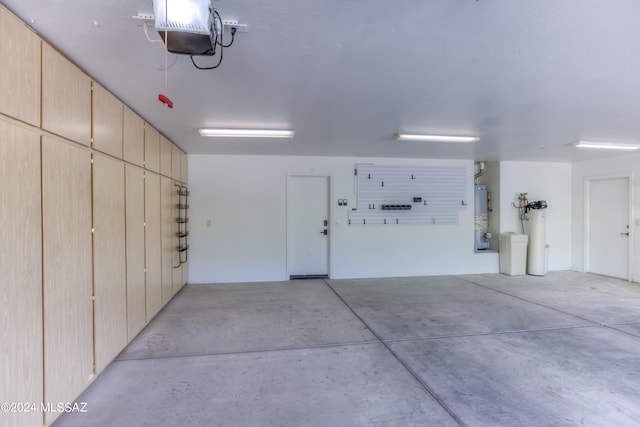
[144, 16]
[228, 24]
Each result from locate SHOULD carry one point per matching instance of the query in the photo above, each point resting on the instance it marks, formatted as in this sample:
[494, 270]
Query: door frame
[586, 253]
[288, 218]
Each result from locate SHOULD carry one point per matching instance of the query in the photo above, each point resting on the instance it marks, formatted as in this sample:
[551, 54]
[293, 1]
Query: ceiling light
[606, 145]
[434, 138]
[247, 133]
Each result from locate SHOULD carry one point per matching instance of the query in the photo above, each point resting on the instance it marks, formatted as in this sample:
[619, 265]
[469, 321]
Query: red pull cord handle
[165, 100]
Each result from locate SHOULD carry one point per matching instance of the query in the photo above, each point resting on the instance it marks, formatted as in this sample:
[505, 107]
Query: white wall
[615, 166]
[542, 181]
[245, 199]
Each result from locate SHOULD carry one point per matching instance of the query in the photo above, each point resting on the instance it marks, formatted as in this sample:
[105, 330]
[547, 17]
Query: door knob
[325, 232]
[624, 234]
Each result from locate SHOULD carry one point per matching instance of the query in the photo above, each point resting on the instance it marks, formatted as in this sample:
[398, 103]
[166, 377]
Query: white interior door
[308, 229]
[609, 227]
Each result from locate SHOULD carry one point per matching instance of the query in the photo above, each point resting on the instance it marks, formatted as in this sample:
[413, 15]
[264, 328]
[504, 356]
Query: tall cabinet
[67, 270]
[136, 303]
[109, 248]
[21, 334]
[153, 246]
[88, 215]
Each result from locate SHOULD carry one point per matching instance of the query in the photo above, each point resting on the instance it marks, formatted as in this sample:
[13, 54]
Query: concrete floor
[477, 350]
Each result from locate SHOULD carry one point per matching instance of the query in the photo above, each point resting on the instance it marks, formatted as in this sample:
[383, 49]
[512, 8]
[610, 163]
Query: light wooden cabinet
[70, 298]
[21, 266]
[67, 273]
[184, 168]
[168, 237]
[176, 162]
[151, 148]
[165, 156]
[110, 307]
[107, 122]
[178, 278]
[185, 272]
[20, 70]
[134, 199]
[133, 135]
[66, 97]
[153, 244]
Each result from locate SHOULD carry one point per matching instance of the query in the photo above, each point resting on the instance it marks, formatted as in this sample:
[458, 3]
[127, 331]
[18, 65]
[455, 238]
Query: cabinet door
[21, 266]
[183, 168]
[133, 137]
[165, 156]
[177, 276]
[20, 71]
[151, 148]
[110, 286]
[185, 272]
[176, 162]
[153, 246]
[68, 305]
[136, 306]
[66, 97]
[168, 237]
[107, 122]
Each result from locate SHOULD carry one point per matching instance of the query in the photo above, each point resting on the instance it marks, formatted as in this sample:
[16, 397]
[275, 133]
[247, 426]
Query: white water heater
[536, 230]
[481, 218]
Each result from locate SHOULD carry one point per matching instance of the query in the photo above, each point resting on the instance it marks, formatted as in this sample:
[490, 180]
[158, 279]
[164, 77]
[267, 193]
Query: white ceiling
[528, 77]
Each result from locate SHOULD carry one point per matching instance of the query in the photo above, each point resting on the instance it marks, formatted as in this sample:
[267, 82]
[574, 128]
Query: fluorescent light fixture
[247, 133]
[434, 138]
[606, 145]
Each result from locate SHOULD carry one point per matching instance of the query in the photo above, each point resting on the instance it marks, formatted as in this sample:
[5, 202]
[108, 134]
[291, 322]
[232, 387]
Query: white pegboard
[408, 195]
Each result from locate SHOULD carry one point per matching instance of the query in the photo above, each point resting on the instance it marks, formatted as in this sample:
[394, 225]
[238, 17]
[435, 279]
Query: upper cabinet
[133, 137]
[20, 70]
[184, 175]
[107, 122]
[165, 156]
[151, 148]
[66, 97]
[176, 162]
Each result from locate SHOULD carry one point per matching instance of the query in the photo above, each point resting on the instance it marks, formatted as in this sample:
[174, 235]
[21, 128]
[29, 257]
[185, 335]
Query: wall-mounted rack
[408, 195]
[182, 232]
